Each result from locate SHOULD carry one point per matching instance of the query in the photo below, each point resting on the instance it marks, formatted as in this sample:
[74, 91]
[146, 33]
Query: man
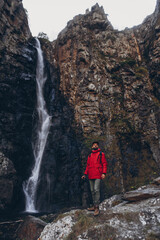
[96, 170]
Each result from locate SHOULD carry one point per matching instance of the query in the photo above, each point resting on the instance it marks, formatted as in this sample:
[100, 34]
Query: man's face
[95, 145]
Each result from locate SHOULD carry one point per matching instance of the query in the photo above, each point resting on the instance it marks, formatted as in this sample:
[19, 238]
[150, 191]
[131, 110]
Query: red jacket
[95, 166]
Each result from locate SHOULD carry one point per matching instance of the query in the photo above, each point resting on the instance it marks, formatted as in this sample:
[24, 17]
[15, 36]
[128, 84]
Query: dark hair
[96, 143]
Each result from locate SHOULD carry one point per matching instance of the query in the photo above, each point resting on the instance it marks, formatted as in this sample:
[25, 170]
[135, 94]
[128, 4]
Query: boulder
[142, 194]
[157, 181]
[59, 229]
[121, 221]
[31, 228]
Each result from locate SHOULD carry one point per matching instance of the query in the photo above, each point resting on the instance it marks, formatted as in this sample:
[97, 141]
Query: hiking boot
[90, 208]
[96, 211]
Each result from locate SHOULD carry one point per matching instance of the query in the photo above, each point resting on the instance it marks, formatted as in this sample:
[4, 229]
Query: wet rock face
[17, 95]
[7, 181]
[60, 174]
[110, 79]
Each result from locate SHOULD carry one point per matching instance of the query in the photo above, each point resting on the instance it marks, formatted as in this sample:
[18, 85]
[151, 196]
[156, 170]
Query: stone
[120, 220]
[157, 181]
[111, 202]
[91, 87]
[57, 230]
[141, 194]
[30, 228]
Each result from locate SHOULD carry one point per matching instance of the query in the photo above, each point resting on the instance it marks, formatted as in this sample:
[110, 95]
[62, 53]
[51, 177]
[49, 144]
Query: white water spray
[44, 121]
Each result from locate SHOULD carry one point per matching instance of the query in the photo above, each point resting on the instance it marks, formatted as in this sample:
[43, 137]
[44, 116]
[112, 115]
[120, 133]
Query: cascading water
[44, 121]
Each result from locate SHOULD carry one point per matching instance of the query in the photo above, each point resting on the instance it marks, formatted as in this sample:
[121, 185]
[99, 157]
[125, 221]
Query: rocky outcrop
[118, 219]
[157, 181]
[142, 193]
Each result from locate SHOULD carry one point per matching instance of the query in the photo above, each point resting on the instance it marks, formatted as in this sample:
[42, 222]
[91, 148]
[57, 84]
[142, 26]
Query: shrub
[128, 62]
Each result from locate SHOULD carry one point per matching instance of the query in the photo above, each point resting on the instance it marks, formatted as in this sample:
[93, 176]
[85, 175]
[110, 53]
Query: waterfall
[44, 121]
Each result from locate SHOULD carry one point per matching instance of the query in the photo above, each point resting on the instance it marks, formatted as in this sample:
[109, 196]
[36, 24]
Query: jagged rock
[111, 202]
[30, 228]
[59, 229]
[141, 194]
[120, 220]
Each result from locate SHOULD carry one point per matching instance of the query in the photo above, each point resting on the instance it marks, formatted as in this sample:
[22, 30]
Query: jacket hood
[95, 151]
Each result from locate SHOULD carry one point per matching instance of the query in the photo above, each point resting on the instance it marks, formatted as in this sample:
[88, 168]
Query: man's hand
[83, 177]
[103, 176]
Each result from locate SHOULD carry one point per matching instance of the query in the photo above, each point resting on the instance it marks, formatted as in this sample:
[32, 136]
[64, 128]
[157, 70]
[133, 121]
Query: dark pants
[95, 190]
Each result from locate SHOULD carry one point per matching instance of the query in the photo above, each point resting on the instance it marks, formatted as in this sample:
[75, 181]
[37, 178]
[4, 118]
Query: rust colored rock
[110, 79]
[31, 228]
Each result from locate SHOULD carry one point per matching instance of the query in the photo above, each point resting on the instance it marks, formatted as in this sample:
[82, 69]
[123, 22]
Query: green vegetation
[43, 35]
[117, 77]
[118, 97]
[83, 222]
[128, 62]
[104, 232]
[141, 72]
[111, 37]
[153, 236]
[122, 124]
[102, 55]
[60, 216]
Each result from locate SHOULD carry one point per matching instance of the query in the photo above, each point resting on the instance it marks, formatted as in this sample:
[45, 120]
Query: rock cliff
[102, 84]
[17, 99]
[110, 79]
